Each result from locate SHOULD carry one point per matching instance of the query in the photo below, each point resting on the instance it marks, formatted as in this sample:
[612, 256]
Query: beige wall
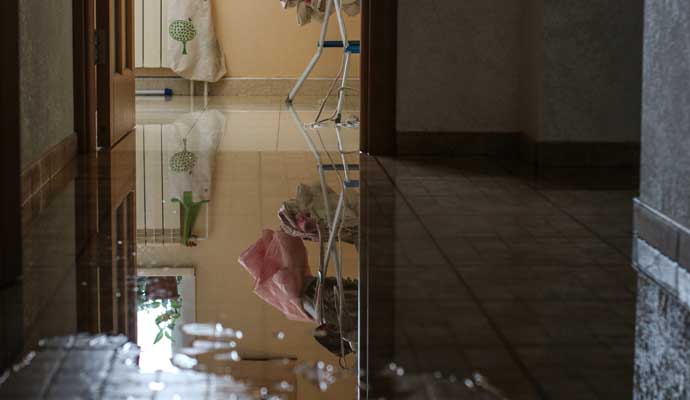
[260, 39]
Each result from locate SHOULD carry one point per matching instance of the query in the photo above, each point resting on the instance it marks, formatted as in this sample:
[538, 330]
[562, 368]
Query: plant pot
[161, 288]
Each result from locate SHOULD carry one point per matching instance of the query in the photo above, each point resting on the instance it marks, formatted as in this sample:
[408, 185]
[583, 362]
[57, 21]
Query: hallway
[469, 265]
[345, 199]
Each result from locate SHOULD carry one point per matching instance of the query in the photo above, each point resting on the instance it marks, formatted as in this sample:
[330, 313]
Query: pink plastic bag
[279, 264]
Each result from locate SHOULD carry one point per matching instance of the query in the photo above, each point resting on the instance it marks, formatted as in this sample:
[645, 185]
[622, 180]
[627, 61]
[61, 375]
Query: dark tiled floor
[524, 278]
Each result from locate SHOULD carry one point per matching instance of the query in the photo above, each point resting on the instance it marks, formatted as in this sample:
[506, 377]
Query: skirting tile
[657, 254]
[517, 145]
[656, 266]
[500, 144]
[585, 154]
[656, 229]
[660, 231]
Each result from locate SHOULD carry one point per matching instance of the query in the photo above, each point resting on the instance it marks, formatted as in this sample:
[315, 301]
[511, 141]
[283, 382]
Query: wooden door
[107, 266]
[11, 314]
[378, 77]
[10, 238]
[117, 272]
[116, 165]
[111, 177]
[116, 79]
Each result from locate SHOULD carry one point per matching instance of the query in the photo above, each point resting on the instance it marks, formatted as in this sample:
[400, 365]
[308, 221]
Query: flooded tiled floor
[523, 278]
[475, 279]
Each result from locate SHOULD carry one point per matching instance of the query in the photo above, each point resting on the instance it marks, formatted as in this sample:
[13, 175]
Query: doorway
[107, 193]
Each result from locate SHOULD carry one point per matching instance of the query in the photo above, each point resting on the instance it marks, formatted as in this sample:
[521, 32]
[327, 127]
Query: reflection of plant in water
[191, 212]
[166, 321]
[171, 309]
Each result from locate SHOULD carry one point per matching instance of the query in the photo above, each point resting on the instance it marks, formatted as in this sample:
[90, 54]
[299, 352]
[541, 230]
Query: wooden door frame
[10, 159]
[378, 138]
[116, 71]
[83, 12]
[106, 176]
[379, 77]
[10, 202]
[86, 185]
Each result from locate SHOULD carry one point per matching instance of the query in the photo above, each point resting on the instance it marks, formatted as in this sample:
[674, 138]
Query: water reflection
[285, 320]
[166, 301]
[175, 169]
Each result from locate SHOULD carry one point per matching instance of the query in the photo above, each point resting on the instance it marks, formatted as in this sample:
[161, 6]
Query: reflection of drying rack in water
[329, 248]
[334, 219]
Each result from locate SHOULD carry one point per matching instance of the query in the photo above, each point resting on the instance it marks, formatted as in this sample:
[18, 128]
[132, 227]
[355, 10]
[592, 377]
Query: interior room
[345, 199]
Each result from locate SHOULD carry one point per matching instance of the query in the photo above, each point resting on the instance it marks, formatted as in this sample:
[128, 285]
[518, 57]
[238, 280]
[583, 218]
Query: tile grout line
[511, 351]
[578, 221]
[573, 218]
[568, 214]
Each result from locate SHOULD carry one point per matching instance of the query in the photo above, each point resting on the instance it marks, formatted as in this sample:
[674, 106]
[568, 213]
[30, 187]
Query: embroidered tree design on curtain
[182, 31]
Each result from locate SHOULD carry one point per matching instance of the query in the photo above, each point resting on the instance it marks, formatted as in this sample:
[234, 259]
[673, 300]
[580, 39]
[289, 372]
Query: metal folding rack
[334, 219]
[350, 47]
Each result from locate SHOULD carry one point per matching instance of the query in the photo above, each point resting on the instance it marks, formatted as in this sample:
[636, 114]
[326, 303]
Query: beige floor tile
[245, 103]
[250, 131]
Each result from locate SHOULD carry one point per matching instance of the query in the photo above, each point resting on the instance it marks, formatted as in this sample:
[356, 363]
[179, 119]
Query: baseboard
[154, 73]
[498, 144]
[240, 86]
[519, 146]
[580, 154]
[43, 179]
[661, 252]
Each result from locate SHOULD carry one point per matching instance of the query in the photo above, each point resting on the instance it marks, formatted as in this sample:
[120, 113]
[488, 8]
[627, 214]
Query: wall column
[662, 212]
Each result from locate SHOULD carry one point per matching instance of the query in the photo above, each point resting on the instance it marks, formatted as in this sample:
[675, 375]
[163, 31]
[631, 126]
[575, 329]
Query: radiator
[158, 218]
[151, 33]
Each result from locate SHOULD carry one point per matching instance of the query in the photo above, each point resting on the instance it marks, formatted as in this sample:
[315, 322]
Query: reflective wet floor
[248, 259]
[492, 268]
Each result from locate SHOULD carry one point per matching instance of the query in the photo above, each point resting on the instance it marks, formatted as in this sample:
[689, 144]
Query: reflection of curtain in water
[203, 131]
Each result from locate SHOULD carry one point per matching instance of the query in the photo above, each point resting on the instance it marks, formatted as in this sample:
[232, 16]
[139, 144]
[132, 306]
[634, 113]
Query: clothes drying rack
[350, 47]
[329, 248]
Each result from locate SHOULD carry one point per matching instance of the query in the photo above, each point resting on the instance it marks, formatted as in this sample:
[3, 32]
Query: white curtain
[193, 49]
